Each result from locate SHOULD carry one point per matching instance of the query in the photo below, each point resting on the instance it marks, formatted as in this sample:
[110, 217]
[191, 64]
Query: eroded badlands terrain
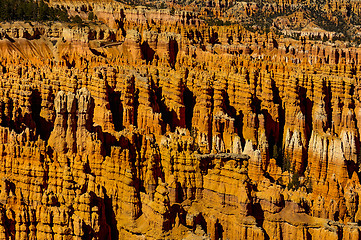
[156, 124]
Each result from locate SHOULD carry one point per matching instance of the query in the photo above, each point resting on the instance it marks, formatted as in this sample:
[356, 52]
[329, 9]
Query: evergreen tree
[30, 10]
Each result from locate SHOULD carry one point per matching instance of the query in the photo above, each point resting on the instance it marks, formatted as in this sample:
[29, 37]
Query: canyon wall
[144, 127]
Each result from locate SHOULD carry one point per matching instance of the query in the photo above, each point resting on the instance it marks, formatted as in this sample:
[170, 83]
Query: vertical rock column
[84, 124]
[149, 117]
[294, 139]
[128, 102]
[202, 117]
[57, 139]
[223, 129]
[71, 123]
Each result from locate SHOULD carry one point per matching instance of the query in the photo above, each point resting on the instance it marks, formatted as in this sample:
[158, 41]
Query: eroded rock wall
[178, 130]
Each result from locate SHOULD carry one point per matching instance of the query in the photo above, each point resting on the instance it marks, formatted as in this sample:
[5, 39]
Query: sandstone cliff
[151, 124]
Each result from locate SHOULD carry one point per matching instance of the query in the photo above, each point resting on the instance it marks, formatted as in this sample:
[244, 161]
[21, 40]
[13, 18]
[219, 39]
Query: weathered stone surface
[150, 123]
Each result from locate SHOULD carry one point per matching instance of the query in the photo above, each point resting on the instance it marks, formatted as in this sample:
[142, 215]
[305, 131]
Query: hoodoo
[180, 120]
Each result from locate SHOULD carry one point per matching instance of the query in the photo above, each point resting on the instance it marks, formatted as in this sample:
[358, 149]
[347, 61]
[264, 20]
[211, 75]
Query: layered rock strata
[137, 129]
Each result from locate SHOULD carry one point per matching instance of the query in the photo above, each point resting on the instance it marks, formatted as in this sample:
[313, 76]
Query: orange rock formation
[153, 125]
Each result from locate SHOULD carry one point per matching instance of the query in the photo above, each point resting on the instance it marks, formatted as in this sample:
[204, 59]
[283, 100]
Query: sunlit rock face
[152, 124]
